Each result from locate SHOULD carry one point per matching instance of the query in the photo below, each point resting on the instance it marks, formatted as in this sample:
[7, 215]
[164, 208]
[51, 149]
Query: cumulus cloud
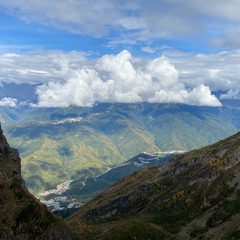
[65, 79]
[69, 78]
[75, 91]
[8, 102]
[199, 96]
[118, 78]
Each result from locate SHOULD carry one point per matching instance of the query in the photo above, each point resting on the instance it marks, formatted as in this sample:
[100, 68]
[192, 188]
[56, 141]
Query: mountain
[91, 186]
[192, 196]
[80, 191]
[61, 144]
[195, 195]
[22, 216]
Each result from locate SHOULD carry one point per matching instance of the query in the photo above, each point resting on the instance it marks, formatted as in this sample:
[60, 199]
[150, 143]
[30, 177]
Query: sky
[82, 52]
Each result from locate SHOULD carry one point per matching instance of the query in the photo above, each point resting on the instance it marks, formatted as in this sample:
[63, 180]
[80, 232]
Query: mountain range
[194, 195]
[61, 144]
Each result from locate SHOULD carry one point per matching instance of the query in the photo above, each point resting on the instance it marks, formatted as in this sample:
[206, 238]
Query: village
[59, 202]
[61, 188]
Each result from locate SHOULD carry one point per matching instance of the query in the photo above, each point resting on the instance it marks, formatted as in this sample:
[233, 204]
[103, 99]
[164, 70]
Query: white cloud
[71, 79]
[118, 78]
[219, 71]
[39, 67]
[200, 96]
[139, 20]
[66, 79]
[8, 102]
[148, 49]
[231, 94]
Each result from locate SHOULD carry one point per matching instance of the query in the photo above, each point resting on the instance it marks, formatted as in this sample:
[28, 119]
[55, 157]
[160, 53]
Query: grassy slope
[194, 196]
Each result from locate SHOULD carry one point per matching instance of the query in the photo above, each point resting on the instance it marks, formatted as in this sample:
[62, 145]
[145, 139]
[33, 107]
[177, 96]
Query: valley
[167, 194]
[79, 192]
[62, 144]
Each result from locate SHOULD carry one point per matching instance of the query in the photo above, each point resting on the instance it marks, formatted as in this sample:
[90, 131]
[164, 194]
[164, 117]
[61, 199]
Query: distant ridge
[60, 144]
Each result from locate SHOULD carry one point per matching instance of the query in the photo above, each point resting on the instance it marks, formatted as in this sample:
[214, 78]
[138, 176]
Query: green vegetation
[55, 149]
[22, 216]
[94, 186]
[194, 195]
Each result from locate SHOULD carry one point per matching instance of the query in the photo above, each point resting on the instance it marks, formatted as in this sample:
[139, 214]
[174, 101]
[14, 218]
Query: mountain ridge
[195, 195]
[192, 196]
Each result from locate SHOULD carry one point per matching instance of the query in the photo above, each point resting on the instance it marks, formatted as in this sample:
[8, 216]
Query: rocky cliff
[22, 216]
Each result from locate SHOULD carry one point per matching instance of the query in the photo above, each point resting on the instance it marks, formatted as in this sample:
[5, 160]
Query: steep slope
[192, 196]
[92, 186]
[60, 144]
[21, 215]
[84, 189]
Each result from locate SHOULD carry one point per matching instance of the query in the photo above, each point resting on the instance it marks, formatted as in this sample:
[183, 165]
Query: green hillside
[60, 144]
[48, 161]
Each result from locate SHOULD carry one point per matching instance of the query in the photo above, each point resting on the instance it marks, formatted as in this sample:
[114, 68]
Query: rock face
[10, 166]
[22, 216]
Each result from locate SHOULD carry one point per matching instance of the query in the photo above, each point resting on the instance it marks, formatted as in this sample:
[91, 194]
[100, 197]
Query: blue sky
[21, 36]
[178, 24]
[179, 50]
